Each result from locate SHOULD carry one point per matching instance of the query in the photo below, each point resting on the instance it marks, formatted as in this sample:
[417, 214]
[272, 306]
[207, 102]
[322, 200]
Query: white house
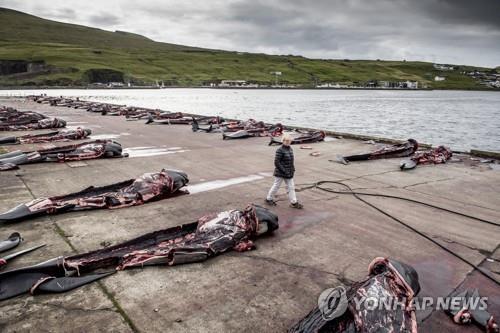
[495, 84]
[443, 67]
[439, 78]
[412, 84]
[233, 83]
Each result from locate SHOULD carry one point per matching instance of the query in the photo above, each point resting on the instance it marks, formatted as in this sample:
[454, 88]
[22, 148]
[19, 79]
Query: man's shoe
[271, 202]
[296, 205]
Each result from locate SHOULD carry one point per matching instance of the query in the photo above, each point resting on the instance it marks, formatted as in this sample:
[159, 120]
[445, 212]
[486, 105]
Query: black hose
[319, 184]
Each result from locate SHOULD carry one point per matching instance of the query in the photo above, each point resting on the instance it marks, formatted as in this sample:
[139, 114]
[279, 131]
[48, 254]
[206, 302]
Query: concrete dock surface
[330, 242]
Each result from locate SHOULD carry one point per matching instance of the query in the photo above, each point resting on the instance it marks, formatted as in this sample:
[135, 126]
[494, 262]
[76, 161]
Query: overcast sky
[444, 31]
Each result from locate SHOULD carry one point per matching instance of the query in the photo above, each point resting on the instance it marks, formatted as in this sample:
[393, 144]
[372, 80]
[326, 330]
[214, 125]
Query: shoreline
[341, 135]
[236, 88]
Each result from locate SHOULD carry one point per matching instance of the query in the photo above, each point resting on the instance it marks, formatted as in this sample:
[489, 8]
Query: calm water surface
[461, 119]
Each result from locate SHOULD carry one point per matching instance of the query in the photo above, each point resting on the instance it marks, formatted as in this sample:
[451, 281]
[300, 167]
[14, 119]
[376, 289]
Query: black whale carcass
[303, 137]
[438, 155]
[211, 235]
[38, 125]
[55, 136]
[387, 279]
[84, 151]
[132, 192]
[392, 151]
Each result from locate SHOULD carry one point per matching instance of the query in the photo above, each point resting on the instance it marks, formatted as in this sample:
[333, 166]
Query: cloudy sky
[445, 31]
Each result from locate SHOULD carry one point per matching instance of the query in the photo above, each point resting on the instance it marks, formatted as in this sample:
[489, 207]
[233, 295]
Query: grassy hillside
[68, 51]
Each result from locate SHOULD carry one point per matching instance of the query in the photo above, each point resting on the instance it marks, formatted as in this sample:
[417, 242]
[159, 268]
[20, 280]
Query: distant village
[490, 79]
[329, 85]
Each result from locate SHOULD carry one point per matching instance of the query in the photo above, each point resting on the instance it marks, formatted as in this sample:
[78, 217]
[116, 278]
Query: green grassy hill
[68, 54]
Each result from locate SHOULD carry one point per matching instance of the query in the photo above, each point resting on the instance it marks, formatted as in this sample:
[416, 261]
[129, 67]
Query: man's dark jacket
[283, 162]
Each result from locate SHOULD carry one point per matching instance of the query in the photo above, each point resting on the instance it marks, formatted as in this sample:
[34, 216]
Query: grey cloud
[64, 14]
[104, 19]
[462, 12]
[454, 31]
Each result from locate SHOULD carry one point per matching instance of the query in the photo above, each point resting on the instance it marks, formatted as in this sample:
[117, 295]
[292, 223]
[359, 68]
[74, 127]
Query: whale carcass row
[211, 235]
[56, 136]
[398, 150]
[387, 279]
[84, 151]
[303, 137]
[132, 192]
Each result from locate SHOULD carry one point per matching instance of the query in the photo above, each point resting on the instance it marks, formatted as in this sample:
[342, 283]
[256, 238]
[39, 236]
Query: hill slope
[36, 51]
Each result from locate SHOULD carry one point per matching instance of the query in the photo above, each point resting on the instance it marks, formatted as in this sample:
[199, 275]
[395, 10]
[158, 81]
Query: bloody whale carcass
[303, 137]
[84, 151]
[269, 131]
[56, 136]
[438, 155]
[14, 120]
[398, 150]
[211, 235]
[387, 278]
[132, 192]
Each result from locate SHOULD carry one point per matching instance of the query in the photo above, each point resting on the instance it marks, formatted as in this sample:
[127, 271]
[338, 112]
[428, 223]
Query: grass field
[69, 50]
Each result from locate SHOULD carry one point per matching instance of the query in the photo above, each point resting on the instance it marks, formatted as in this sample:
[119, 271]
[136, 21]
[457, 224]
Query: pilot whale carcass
[211, 235]
[438, 155]
[169, 119]
[304, 137]
[41, 124]
[346, 312]
[56, 136]
[398, 150]
[272, 132]
[84, 151]
[214, 124]
[11, 116]
[132, 192]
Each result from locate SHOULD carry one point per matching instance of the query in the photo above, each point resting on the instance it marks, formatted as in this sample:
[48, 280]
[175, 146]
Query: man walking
[284, 171]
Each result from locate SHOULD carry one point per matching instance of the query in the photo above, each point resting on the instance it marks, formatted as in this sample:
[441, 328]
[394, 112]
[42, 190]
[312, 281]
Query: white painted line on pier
[152, 151]
[221, 183]
[104, 136]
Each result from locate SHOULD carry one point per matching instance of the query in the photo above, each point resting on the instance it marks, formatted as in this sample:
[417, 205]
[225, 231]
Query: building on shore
[439, 78]
[115, 84]
[372, 84]
[494, 84]
[232, 83]
[444, 67]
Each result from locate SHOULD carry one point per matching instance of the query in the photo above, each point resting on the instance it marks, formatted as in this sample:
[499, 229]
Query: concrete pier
[331, 241]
